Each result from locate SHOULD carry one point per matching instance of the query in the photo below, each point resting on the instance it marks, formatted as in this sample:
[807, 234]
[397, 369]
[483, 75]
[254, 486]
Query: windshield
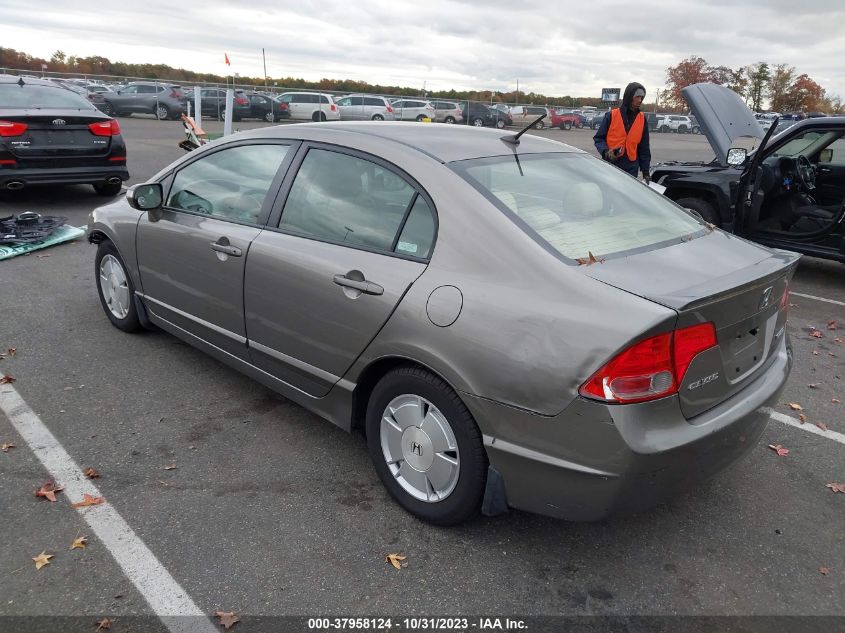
[578, 205]
[32, 96]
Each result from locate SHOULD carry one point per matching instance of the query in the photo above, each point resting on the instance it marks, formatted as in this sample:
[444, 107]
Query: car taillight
[390, 108]
[105, 128]
[651, 369]
[10, 128]
[334, 108]
[242, 101]
[784, 300]
[176, 94]
[283, 106]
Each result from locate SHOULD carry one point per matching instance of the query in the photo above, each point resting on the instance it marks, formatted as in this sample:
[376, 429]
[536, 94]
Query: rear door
[191, 254]
[354, 234]
[126, 100]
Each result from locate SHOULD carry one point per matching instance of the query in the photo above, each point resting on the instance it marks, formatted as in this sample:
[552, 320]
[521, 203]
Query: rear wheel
[682, 129]
[269, 117]
[478, 122]
[115, 288]
[539, 125]
[500, 123]
[700, 207]
[378, 117]
[425, 446]
[566, 125]
[108, 109]
[108, 189]
[449, 119]
[696, 130]
[162, 112]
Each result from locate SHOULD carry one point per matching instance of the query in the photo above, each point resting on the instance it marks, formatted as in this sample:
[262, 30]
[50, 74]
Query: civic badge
[59, 122]
[764, 300]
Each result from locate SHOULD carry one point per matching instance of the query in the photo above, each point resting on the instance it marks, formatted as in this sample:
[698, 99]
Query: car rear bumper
[593, 460]
[62, 176]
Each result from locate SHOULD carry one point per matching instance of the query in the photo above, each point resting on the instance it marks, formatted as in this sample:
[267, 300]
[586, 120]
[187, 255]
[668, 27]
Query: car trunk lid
[704, 280]
[64, 133]
[722, 117]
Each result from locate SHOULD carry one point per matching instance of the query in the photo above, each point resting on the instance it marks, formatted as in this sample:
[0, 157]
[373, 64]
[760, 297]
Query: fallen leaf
[42, 559]
[7, 379]
[6, 446]
[79, 543]
[49, 490]
[822, 426]
[587, 261]
[824, 571]
[816, 334]
[795, 406]
[793, 305]
[13, 351]
[163, 483]
[395, 560]
[838, 339]
[88, 500]
[815, 352]
[780, 450]
[103, 625]
[228, 619]
[91, 473]
[170, 467]
[835, 400]
[832, 355]
[835, 486]
[831, 325]
[802, 417]
[813, 385]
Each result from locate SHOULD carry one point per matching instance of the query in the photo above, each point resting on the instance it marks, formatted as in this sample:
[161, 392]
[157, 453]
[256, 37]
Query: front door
[353, 236]
[191, 254]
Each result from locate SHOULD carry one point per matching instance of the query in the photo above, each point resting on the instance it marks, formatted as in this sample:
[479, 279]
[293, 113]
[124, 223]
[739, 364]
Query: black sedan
[264, 107]
[50, 135]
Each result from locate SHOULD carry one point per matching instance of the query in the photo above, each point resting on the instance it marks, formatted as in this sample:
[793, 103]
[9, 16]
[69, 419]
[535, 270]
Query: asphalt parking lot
[270, 511]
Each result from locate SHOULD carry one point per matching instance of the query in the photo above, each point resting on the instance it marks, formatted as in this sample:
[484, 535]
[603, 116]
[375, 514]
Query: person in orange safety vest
[622, 137]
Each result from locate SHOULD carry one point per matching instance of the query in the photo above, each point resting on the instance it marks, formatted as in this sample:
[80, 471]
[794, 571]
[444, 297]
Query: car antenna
[514, 138]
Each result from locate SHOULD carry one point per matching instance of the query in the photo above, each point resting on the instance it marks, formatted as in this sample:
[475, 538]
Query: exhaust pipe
[15, 185]
[113, 180]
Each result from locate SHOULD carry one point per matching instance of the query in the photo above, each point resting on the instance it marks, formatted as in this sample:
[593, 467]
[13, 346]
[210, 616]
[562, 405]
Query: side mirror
[145, 197]
[826, 155]
[737, 156]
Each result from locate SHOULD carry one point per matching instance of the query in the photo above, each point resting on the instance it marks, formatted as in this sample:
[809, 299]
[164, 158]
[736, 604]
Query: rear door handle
[234, 251]
[367, 287]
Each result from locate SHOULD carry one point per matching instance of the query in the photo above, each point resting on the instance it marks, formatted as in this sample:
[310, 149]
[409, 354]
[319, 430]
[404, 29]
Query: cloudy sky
[555, 48]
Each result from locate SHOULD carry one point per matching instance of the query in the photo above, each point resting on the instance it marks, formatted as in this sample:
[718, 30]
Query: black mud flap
[495, 500]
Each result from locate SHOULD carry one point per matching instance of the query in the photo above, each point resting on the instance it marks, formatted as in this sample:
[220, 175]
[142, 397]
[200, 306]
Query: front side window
[230, 184]
[578, 205]
[349, 200]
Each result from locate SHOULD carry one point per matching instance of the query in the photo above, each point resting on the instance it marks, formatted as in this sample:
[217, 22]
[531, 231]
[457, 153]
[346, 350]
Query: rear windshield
[32, 96]
[577, 204]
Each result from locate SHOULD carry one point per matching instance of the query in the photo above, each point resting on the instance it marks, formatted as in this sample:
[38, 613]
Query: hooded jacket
[643, 162]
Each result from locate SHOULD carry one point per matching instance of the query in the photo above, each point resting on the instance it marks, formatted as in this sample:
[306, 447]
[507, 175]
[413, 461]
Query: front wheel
[426, 447]
[108, 189]
[663, 128]
[701, 208]
[539, 125]
[500, 124]
[115, 288]
[567, 125]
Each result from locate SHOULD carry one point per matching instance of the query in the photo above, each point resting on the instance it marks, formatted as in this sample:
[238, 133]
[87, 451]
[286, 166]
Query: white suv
[413, 109]
[310, 106]
[674, 123]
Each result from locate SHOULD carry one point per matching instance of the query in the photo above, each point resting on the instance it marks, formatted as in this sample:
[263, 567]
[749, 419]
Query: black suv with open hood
[787, 192]
[49, 135]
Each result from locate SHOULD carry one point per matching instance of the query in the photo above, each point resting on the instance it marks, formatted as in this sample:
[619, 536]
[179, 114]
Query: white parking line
[166, 598]
[806, 426]
[815, 298]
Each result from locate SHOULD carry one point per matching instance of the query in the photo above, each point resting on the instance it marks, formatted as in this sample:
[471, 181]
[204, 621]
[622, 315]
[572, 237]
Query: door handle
[825, 170]
[367, 287]
[234, 251]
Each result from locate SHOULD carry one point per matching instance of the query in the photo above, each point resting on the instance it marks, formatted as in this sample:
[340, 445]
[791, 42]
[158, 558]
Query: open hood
[722, 116]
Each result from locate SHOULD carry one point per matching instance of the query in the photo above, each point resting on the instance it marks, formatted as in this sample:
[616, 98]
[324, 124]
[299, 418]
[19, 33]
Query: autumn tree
[692, 70]
[779, 86]
[758, 76]
[804, 95]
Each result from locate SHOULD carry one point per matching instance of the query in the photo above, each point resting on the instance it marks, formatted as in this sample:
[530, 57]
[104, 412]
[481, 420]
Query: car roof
[445, 143]
[13, 79]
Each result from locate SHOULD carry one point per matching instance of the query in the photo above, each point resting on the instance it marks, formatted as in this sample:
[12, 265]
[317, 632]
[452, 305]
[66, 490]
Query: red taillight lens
[176, 94]
[650, 369]
[784, 300]
[10, 128]
[283, 106]
[242, 101]
[334, 108]
[390, 108]
[105, 128]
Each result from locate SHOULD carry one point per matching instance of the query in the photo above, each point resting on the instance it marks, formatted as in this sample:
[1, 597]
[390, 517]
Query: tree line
[780, 84]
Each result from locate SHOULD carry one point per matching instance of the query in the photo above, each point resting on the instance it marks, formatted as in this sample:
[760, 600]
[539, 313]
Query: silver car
[365, 108]
[447, 112]
[510, 321]
[413, 109]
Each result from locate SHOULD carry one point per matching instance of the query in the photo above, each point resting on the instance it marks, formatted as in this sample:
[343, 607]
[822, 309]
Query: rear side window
[349, 200]
[230, 184]
[356, 101]
[579, 205]
[326, 99]
[374, 101]
[33, 96]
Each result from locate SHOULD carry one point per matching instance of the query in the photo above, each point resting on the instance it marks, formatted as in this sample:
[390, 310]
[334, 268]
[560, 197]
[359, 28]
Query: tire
[663, 128]
[478, 122]
[110, 268]
[430, 403]
[566, 125]
[270, 117]
[539, 125]
[682, 129]
[108, 109]
[701, 208]
[450, 120]
[500, 124]
[107, 189]
[696, 130]
[579, 125]
[420, 118]
[378, 117]
[162, 112]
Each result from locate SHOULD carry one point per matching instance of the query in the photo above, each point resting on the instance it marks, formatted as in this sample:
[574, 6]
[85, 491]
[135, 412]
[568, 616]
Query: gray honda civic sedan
[510, 322]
